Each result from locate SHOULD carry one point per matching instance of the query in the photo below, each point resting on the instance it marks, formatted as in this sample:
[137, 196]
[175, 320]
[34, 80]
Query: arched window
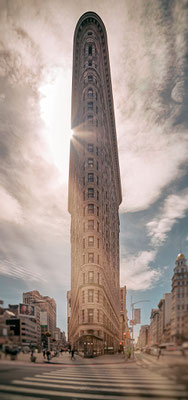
[90, 92]
[90, 50]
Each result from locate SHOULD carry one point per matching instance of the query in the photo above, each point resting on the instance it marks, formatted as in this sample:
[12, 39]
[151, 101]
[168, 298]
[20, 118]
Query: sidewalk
[163, 361]
[65, 359]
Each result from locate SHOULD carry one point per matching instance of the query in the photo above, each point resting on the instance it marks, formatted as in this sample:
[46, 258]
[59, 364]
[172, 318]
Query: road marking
[114, 384]
[11, 396]
[110, 379]
[125, 391]
[89, 396]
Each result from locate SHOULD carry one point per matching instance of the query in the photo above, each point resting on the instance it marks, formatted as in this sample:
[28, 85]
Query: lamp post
[132, 308]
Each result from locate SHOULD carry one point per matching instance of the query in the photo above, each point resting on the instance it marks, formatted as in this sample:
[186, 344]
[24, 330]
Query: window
[90, 148]
[90, 177]
[97, 180]
[83, 296]
[98, 315]
[83, 226]
[97, 195]
[90, 93]
[98, 278]
[90, 295]
[98, 258]
[90, 163]
[90, 241]
[97, 165]
[84, 180]
[90, 275]
[90, 119]
[83, 315]
[84, 278]
[90, 78]
[97, 226]
[97, 211]
[98, 243]
[90, 316]
[89, 63]
[91, 257]
[90, 225]
[83, 211]
[84, 259]
[89, 33]
[90, 50]
[90, 193]
[98, 296]
[90, 208]
[90, 106]
[83, 243]
[84, 195]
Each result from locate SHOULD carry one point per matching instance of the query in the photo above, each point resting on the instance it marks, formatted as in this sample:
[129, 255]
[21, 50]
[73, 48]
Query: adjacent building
[179, 299]
[45, 312]
[164, 317]
[144, 337]
[94, 195]
[154, 327]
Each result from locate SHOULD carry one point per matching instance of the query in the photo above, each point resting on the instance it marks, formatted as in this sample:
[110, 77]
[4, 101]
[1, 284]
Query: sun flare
[55, 106]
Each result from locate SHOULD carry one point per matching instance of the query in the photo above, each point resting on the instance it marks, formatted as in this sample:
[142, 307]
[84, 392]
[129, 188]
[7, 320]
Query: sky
[147, 42]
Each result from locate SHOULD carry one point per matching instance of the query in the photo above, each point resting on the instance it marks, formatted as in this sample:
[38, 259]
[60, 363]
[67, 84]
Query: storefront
[89, 346]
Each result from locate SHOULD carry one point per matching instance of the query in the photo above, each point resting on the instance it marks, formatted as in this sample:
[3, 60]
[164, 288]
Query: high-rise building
[144, 337]
[179, 299]
[94, 194]
[164, 317]
[45, 310]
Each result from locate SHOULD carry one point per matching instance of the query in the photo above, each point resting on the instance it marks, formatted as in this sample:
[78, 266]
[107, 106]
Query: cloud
[10, 209]
[17, 271]
[137, 273]
[173, 209]
[152, 160]
[149, 82]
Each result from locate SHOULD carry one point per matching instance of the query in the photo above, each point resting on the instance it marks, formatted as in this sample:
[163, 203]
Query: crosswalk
[94, 383]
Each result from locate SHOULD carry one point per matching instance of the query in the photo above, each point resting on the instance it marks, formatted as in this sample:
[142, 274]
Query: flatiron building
[94, 195]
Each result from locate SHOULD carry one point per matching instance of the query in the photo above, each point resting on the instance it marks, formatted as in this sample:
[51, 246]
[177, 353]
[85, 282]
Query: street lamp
[132, 308]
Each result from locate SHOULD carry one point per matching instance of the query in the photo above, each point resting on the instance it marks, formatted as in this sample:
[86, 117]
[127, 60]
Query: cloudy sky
[149, 66]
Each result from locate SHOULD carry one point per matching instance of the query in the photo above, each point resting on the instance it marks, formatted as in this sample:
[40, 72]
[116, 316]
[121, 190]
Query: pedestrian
[159, 353]
[183, 352]
[48, 355]
[44, 353]
[72, 354]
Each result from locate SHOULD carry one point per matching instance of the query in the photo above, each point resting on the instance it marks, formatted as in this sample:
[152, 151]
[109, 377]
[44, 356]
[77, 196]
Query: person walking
[48, 355]
[159, 353]
[72, 354]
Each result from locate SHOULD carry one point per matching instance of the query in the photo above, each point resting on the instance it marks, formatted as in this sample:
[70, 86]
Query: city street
[107, 378]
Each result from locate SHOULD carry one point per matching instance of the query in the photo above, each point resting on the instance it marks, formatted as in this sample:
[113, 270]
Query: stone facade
[144, 337]
[179, 299]
[43, 304]
[94, 194]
